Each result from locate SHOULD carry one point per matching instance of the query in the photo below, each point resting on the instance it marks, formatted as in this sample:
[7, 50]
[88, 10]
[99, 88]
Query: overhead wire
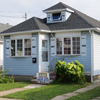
[11, 16]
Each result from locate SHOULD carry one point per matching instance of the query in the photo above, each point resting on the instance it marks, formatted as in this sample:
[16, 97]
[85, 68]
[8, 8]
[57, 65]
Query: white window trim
[16, 48]
[71, 47]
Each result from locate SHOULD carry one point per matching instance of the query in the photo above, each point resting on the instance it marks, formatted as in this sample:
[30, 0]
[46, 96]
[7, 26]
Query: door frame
[42, 36]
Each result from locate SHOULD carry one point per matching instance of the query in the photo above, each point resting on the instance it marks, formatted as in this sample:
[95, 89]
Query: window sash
[13, 48]
[27, 47]
[59, 46]
[67, 45]
[19, 47]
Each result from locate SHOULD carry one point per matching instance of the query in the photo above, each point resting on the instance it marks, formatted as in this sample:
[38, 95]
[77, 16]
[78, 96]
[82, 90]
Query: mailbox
[34, 60]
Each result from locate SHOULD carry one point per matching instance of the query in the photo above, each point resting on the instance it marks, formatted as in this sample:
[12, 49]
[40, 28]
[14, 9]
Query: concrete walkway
[6, 92]
[68, 95]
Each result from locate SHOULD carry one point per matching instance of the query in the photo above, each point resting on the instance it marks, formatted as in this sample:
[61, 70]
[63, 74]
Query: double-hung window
[76, 45]
[68, 46]
[21, 47]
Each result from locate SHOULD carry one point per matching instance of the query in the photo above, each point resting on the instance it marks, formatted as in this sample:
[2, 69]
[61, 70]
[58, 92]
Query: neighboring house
[2, 28]
[65, 34]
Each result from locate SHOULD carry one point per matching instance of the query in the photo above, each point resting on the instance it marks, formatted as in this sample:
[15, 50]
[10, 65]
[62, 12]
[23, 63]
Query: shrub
[4, 78]
[70, 72]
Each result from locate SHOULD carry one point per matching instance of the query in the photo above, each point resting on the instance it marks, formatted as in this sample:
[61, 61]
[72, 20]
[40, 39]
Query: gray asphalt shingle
[77, 20]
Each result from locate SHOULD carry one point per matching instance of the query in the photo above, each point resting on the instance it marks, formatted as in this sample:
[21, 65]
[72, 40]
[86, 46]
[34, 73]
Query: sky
[13, 11]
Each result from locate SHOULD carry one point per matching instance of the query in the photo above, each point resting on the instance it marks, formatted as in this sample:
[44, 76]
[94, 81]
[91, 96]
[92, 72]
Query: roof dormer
[58, 13]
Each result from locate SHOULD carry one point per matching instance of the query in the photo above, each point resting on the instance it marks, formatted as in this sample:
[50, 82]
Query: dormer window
[56, 16]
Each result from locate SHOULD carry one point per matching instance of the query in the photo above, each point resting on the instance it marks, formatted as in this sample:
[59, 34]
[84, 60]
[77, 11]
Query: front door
[45, 60]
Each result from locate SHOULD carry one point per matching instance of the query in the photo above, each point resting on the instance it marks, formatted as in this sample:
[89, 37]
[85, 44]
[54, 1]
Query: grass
[88, 95]
[45, 92]
[7, 86]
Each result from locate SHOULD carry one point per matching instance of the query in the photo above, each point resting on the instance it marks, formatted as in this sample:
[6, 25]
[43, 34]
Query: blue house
[66, 34]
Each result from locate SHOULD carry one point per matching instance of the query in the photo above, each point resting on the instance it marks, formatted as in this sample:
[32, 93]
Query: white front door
[45, 55]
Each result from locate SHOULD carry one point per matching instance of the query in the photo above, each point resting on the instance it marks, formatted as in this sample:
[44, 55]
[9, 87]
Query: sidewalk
[68, 95]
[6, 92]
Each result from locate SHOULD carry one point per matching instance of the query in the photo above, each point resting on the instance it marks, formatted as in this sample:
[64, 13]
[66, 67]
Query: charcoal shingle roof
[77, 20]
[60, 5]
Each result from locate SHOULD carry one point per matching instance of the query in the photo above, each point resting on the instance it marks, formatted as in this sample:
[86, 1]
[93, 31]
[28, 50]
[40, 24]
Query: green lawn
[45, 92]
[7, 86]
[91, 94]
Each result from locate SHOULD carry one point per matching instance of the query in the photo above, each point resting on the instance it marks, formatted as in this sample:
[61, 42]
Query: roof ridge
[36, 21]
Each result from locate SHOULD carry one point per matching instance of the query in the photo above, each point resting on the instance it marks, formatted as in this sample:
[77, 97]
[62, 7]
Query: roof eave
[55, 10]
[71, 30]
[23, 32]
[48, 31]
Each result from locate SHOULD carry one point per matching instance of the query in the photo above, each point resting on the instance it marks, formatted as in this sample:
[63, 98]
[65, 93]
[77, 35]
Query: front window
[68, 46]
[21, 47]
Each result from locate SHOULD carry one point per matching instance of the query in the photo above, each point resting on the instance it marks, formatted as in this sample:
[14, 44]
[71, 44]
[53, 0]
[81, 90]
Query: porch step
[52, 77]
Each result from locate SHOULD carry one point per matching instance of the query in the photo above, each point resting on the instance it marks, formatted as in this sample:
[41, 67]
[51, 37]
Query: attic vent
[56, 16]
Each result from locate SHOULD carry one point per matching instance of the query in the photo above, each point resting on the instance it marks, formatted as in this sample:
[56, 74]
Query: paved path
[68, 95]
[6, 92]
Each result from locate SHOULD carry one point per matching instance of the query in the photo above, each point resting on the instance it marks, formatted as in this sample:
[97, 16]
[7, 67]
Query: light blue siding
[85, 60]
[20, 65]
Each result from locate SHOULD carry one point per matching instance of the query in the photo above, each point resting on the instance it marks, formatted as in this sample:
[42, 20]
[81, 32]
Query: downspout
[90, 31]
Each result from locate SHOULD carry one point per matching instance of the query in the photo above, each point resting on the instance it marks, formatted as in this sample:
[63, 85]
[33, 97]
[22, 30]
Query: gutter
[48, 31]
[71, 30]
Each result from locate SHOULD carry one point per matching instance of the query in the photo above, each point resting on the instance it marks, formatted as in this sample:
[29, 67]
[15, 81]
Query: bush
[70, 72]
[4, 78]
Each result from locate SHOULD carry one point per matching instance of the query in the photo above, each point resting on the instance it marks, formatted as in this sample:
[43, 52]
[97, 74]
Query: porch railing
[51, 65]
